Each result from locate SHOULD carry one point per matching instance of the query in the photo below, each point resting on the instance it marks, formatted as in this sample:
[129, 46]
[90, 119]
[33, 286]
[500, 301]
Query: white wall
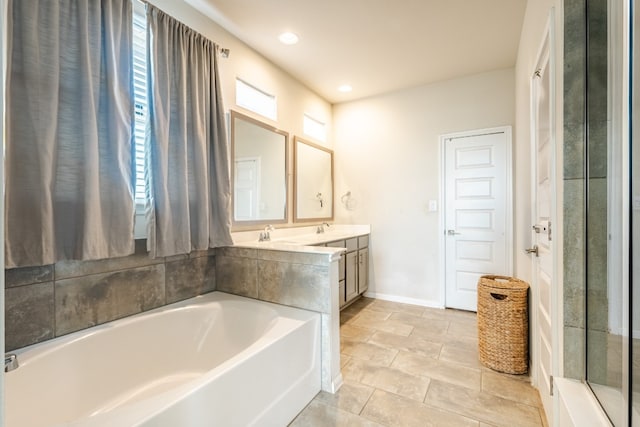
[388, 155]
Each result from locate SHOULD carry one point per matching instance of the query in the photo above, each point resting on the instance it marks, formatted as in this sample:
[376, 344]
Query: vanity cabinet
[341, 271]
[351, 283]
[353, 268]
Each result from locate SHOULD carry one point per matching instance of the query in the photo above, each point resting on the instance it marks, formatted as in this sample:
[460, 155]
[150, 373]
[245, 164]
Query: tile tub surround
[416, 366]
[42, 303]
[298, 276]
[291, 269]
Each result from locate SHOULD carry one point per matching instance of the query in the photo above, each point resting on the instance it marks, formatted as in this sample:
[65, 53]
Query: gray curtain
[69, 183]
[188, 176]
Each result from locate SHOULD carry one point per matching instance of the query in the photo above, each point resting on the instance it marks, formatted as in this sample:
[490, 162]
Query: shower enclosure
[603, 297]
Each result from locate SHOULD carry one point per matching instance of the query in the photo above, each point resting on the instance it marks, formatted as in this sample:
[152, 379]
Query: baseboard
[577, 406]
[404, 300]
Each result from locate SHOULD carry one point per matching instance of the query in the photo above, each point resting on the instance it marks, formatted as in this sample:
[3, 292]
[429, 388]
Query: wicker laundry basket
[503, 324]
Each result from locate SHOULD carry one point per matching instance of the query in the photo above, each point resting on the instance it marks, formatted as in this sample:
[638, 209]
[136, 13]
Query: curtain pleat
[69, 164]
[188, 171]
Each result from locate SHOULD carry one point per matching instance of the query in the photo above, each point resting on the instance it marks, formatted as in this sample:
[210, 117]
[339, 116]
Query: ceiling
[376, 46]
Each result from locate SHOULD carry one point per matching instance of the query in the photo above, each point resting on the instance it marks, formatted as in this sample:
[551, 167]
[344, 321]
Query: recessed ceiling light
[345, 88]
[288, 38]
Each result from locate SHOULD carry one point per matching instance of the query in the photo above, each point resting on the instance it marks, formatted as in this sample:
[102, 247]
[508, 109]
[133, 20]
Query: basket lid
[503, 282]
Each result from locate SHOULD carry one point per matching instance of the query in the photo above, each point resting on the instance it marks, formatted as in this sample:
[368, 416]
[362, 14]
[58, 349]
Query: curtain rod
[224, 52]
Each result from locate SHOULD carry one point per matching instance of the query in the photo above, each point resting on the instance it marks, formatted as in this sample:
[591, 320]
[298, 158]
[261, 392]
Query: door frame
[443, 214]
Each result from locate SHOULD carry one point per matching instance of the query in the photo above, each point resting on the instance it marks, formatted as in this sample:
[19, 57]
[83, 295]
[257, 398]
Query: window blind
[140, 95]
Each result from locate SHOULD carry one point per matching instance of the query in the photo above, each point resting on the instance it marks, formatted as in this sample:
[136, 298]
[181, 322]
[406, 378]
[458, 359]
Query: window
[256, 100]
[140, 96]
[314, 128]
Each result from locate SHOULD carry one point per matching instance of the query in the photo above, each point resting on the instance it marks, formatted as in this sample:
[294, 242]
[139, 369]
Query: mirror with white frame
[313, 182]
[259, 172]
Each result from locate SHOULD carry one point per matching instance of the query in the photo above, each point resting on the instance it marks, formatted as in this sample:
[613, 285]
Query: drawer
[352, 244]
[336, 244]
[363, 241]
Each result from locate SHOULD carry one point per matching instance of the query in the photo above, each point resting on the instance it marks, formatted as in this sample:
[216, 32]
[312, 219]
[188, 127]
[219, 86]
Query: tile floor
[405, 365]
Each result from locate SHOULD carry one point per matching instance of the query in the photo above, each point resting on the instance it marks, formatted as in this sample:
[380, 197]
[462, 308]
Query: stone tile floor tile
[482, 406]
[441, 370]
[392, 410]
[406, 365]
[368, 351]
[386, 378]
[411, 344]
[351, 397]
[318, 414]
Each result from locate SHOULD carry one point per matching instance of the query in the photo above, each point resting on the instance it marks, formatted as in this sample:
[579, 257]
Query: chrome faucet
[265, 236]
[10, 362]
[320, 228]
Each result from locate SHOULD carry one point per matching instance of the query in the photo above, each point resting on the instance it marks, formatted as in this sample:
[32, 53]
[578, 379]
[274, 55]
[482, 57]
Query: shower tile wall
[574, 212]
[45, 302]
[597, 289]
[574, 186]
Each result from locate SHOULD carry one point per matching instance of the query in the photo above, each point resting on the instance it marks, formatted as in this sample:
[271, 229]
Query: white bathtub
[213, 360]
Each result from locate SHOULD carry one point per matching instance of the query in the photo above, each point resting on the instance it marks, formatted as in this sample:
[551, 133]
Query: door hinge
[551, 385]
[549, 231]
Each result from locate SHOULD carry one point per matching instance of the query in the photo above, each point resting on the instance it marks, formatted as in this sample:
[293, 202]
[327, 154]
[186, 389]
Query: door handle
[533, 250]
[452, 232]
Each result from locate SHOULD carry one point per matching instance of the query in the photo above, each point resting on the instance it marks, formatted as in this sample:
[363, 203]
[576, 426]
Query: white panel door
[477, 212]
[246, 189]
[542, 289]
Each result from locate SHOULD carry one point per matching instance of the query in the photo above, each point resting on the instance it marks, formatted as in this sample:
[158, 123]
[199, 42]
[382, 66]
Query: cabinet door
[341, 292]
[363, 270]
[351, 279]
